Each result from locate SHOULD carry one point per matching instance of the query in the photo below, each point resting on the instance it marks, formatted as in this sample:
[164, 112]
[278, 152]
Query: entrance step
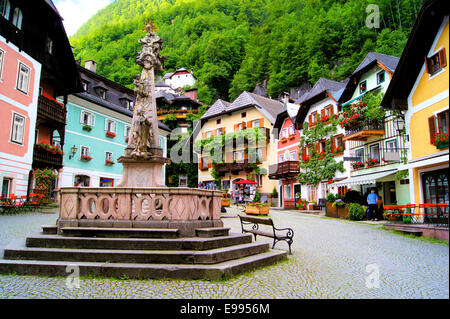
[120, 232]
[17, 250]
[407, 231]
[188, 243]
[49, 229]
[217, 271]
[211, 232]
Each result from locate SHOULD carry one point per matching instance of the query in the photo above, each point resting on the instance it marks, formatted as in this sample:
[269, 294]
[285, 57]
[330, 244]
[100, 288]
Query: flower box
[87, 128]
[371, 162]
[50, 148]
[291, 137]
[440, 140]
[226, 202]
[127, 139]
[442, 145]
[257, 210]
[108, 162]
[357, 165]
[110, 134]
[284, 140]
[337, 150]
[85, 158]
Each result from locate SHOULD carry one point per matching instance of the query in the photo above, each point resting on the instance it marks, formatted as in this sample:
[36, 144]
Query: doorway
[435, 186]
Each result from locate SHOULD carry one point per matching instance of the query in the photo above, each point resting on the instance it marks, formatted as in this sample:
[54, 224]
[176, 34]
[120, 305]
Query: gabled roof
[173, 97]
[420, 40]
[289, 110]
[388, 61]
[321, 86]
[270, 108]
[216, 109]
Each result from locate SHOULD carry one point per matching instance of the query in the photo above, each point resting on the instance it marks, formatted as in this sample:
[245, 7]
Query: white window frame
[379, 73]
[292, 156]
[15, 138]
[113, 123]
[240, 157]
[287, 191]
[23, 78]
[389, 148]
[363, 154]
[219, 131]
[2, 58]
[85, 147]
[111, 157]
[126, 130]
[379, 151]
[91, 118]
[255, 123]
[291, 130]
[208, 134]
[359, 87]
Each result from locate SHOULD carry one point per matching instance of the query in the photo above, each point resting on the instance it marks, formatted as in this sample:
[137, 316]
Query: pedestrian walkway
[331, 258]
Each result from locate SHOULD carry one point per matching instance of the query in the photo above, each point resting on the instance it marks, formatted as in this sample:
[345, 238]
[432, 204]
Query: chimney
[91, 65]
[192, 93]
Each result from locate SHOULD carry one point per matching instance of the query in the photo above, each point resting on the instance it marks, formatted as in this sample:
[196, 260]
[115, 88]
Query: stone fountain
[141, 228]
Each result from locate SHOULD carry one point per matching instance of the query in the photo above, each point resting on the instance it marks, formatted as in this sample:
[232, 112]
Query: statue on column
[144, 135]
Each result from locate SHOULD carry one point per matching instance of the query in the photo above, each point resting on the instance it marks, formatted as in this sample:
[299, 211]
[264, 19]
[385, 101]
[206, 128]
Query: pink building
[286, 169]
[19, 91]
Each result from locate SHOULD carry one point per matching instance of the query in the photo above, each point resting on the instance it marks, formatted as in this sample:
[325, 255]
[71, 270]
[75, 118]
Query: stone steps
[49, 229]
[211, 232]
[120, 232]
[18, 250]
[216, 271]
[188, 243]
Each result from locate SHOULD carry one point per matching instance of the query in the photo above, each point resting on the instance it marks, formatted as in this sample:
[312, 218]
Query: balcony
[286, 169]
[233, 167]
[43, 158]
[51, 110]
[11, 33]
[363, 131]
[385, 157]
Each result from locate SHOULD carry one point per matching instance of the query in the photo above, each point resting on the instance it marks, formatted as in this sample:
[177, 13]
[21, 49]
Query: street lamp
[74, 150]
[399, 123]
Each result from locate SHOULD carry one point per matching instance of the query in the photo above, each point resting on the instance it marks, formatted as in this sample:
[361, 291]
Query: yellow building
[420, 86]
[240, 157]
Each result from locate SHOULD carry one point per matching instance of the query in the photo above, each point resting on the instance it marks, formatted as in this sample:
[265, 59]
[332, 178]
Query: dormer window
[381, 77]
[5, 7]
[17, 18]
[85, 86]
[436, 62]
[362, 87]
[102, 93]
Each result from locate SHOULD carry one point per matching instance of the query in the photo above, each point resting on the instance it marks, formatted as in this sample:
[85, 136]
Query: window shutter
[303, 151]
[200, 163]
[322, 112]
[333, 142]
[213, 133]
[92, 119]
[106, 124]
[432, 126]
[317, 148]
[249, 124]
[330, 110]
[244, 125]
[264, 154]
[81, 117]
[427, 67]
[310, 119]
[203, 134]
[223, 130]
[442, 58]
[261, 122]
[235, 127]
[209, 164]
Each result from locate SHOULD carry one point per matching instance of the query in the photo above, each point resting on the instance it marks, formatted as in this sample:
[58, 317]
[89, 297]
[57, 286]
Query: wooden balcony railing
[284, 169]
[233, 167]
[365, 130]
[51, 110]
[43, 158]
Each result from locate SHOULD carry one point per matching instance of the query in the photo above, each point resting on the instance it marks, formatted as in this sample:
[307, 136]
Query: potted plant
[311, 205]
[85, 158]
[371, 162]
[283, 140]
[337, 150]
[110, 134]
[440, 140]
[291, 137]
[257, 208]
[357, 165]
[87, 127]
[109, 162]
[301, 204]
[274, 193]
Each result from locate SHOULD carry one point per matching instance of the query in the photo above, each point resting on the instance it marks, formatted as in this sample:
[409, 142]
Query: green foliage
[331, 198]
[44, 179]
[402, 174]
[355, 211]
[234, 44]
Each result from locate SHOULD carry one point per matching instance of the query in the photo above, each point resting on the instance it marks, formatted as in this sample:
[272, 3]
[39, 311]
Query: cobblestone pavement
[329, 260]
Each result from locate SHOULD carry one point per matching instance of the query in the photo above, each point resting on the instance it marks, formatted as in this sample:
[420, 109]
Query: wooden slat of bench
[256, 220]
[261, 233]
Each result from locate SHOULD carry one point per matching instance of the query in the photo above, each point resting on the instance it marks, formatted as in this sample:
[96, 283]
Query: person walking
[372, 200]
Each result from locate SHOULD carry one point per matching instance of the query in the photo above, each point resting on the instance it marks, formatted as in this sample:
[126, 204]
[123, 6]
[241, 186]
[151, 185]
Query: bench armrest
[289, 232]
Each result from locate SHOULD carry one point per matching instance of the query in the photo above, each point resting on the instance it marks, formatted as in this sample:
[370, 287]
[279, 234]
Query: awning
[363, 179]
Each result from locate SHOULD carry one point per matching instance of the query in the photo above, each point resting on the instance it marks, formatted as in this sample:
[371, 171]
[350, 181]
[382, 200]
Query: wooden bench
[287, 233]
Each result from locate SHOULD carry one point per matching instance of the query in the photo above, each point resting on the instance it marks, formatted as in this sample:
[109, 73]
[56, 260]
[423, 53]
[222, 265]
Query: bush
[331, 198]
[355, 211]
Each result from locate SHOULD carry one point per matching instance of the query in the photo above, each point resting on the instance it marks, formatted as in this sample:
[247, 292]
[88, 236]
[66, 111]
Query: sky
[77, 12]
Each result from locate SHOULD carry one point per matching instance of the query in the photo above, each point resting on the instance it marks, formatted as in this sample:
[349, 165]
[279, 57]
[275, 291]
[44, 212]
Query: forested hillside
[234, 44]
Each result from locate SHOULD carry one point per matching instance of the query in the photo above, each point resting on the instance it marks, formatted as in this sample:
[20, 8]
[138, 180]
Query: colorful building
[98, 125]
[242, 155]
[36, 66]
[320, 105]
[375, 148]
[420, 88]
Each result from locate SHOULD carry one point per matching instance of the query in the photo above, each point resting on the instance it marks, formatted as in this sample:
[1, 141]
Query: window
[6, 187]
[436, 62]
[243, 114]
[391, 146]
[287, 192]
[5, 7]
[255, 123]
[239, 127]
[381, 77]
[313, 118]
[183, 181]
[259, 154]
[86, 86]
[442, 121]
[81, 180]
[360, 154]
[291, 130]
[339, 142]
[109, 156]
[23, 78]
[362, 87]
[2, 55]
[17, 18]
[49, 45]
[102, 93]
[238, 155]
[84, 151]
[87, 118]
[375, 152]
[18, 128]
[280, 158]
[208, 134]
[293, 156]
[218, 121]
[110, 125]
[127, 130]
[106, 182]
[323, 146]
[219, 131]
[204, 163]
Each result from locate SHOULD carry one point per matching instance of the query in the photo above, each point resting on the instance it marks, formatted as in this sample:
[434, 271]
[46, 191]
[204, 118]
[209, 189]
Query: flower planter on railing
[108, 162]
[372, 162]
[50, 148]
[440, 140]
[284, 140]
[110, 134]
[357, 165]
[87, 128]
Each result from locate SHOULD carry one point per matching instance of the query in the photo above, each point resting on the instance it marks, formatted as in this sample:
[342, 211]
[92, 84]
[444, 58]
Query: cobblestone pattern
[329, 261]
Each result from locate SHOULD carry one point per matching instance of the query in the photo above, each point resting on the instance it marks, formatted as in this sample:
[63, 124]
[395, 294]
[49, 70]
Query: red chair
[430, 212]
